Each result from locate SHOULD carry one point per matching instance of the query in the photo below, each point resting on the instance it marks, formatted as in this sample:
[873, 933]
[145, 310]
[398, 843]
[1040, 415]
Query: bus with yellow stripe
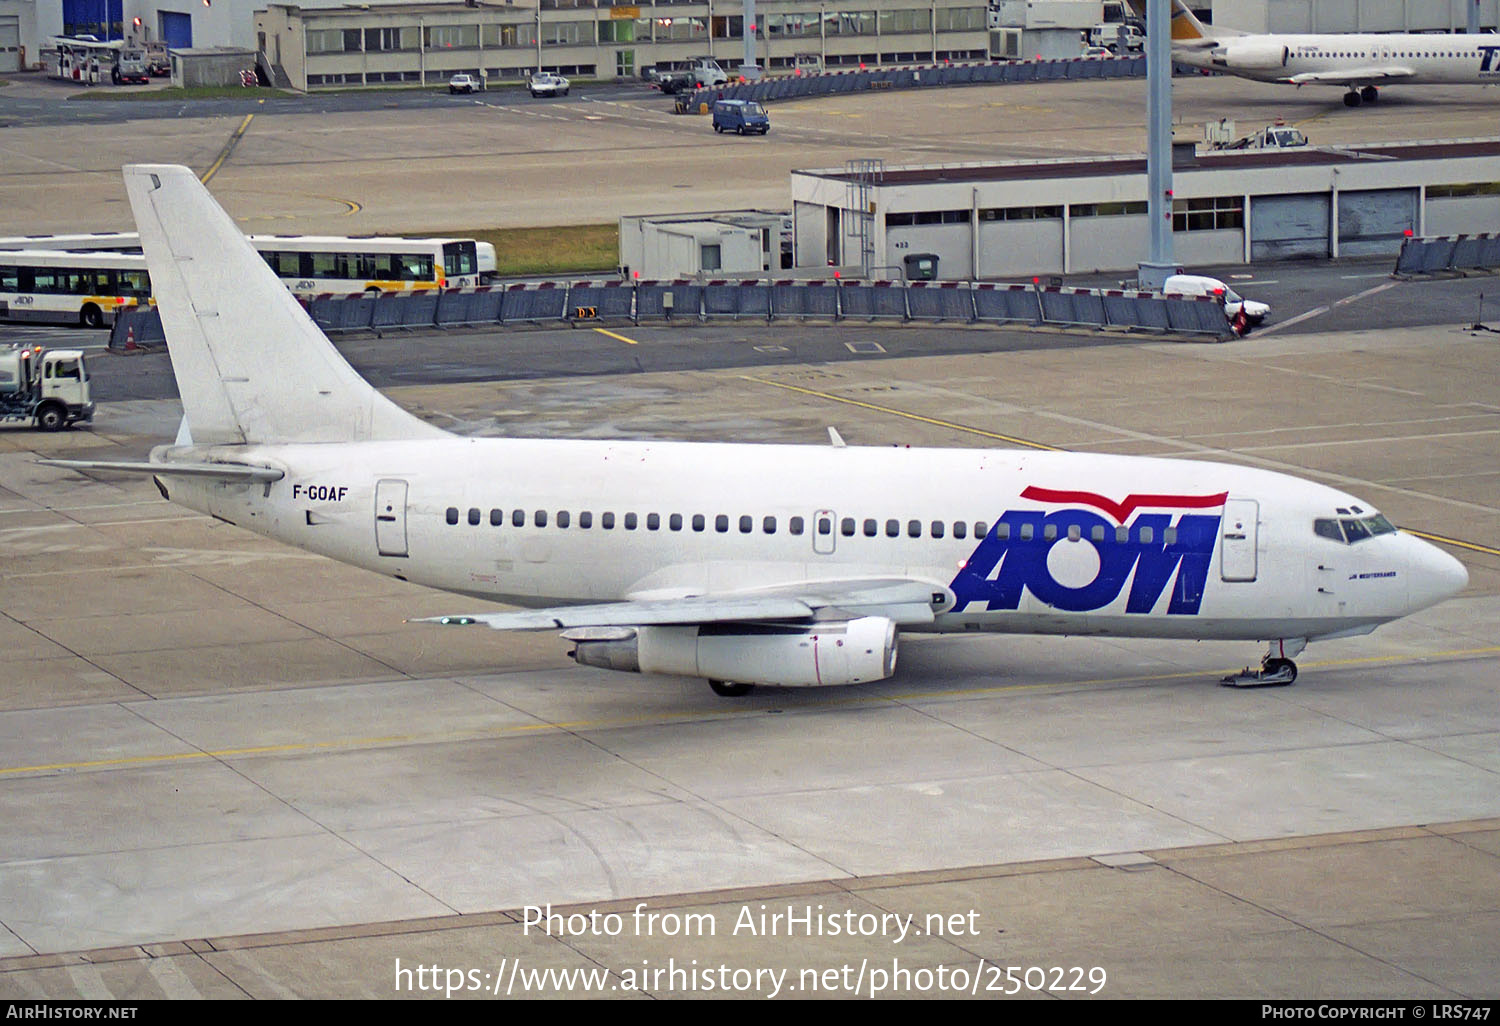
[71, 287]
[84, 279]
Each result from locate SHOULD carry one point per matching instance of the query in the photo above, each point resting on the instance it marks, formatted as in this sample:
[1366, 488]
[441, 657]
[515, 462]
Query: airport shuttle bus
[70, 287]
[308, 265]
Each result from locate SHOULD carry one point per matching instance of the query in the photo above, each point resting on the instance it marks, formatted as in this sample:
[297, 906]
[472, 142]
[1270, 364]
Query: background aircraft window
[676, 521]
[721, 523]
[630, 521]
[1147, 536]
[794, 525]
[653, 521]
[1075, 532]
[893, 528]
[586, 519]
[474, 516]
[846, 527]
[871, 528]
[539, 518]
[452, 514]
[768, 525]
[1122, 534]
[698, 521]
[937, 528]
[1169, 535]
[1049, 533]
[914, 528]
[747, 524]
[563, 520]
[497, 517]
[960, 529]
[607, 521]
[1002, 531]
[1027, 530]
[518, 518]
[1096, 533]
[981, 529]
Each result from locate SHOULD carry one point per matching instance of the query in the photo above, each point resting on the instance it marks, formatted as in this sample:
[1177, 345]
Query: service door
[10, 43]
[1237, 535]
[390, 517]
[824, 531]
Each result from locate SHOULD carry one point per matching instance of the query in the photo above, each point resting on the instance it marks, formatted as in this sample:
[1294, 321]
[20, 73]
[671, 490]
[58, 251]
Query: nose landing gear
[1276, 667]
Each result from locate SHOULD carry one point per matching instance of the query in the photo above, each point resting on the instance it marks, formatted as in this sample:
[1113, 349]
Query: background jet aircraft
[1360, 63]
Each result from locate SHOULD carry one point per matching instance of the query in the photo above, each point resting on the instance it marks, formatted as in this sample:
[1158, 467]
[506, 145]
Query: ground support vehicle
[48, 387]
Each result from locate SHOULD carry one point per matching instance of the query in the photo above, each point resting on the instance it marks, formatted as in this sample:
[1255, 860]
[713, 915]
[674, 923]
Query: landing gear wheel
[729, 689]
[1278, 671]
[1369, 94]
[1351, 99]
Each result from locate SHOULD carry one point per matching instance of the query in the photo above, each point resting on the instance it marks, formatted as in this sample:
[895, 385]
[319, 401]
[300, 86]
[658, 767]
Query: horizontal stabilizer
[222, 471]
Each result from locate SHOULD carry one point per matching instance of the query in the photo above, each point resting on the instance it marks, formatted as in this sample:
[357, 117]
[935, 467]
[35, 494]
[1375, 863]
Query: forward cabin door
[1238, 536]
[390, 517]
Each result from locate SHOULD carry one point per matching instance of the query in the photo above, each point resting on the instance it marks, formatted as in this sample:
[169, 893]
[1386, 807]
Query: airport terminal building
[419, 44]
[987, 221]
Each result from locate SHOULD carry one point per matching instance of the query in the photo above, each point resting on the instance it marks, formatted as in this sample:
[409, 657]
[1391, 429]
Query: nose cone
[1435, 576]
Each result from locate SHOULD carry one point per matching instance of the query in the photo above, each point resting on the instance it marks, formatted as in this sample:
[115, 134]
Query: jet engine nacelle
[841, 652]
[1251, 55]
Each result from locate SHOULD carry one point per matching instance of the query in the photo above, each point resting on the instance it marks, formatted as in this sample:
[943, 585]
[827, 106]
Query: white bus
[70, 287]
[311, 264]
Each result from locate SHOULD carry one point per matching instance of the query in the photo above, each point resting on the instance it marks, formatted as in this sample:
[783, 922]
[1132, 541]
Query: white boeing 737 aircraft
[1360, 63]
[744, 564]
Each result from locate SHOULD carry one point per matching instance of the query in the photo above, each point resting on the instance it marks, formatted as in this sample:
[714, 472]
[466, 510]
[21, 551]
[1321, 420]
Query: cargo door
[1238, 533]
[390, 517]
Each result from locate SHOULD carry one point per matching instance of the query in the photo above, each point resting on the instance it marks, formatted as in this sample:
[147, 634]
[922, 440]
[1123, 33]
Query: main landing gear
[1353, 98]
[1276, 667]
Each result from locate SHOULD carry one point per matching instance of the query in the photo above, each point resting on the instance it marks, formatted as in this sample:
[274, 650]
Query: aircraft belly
[1160, 627]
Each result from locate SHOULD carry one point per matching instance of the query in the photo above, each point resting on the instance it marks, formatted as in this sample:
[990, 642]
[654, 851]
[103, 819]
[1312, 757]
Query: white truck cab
[49, 387]
[708, 73]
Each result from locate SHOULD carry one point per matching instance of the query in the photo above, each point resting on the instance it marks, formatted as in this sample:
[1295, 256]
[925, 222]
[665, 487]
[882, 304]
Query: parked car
[1236, 307]
[547, 83]
[462, 83]
[1097, 51]
[158, 63]
[740, 116]
[130, 66]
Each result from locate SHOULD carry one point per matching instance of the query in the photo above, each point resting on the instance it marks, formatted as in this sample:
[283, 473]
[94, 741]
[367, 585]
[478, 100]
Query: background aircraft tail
[250, 364]
[1186, 28]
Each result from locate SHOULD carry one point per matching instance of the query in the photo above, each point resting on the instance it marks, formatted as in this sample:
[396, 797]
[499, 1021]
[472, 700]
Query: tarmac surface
[231, 769]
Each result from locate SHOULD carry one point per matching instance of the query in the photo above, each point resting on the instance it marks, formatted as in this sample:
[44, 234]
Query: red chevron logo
[1121, 510]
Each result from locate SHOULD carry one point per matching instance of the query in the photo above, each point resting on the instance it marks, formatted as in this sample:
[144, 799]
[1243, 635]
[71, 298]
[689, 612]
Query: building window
[1208, 214]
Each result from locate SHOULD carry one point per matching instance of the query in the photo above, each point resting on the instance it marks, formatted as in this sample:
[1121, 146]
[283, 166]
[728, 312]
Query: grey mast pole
[1153, 272]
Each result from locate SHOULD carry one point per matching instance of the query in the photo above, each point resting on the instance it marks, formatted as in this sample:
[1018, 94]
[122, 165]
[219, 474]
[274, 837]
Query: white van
[1202, 285]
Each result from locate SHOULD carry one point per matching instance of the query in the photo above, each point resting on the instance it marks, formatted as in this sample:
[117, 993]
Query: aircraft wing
[907, 602]
[1356, 76]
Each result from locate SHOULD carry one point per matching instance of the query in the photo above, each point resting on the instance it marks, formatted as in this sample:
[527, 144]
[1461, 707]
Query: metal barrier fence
[769, 90]
[620, 302]
[1449, 254]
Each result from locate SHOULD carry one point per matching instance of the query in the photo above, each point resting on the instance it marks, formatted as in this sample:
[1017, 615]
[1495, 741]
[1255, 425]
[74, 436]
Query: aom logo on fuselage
[1148, 550]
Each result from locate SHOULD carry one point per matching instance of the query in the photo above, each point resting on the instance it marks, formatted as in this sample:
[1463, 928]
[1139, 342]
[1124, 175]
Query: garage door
[176, 29]
[10, 43]
[1289, 226]
[1374, 221]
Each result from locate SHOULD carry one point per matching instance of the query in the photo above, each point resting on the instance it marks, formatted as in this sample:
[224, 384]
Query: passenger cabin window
[452, 514]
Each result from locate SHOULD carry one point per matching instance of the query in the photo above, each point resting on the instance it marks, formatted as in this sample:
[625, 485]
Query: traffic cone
[130, 345]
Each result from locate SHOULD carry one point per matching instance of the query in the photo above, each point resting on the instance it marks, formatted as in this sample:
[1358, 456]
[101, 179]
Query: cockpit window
[1352, 529]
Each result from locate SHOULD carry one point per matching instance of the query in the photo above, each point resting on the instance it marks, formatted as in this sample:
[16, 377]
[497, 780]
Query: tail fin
[250, 364]
[1186, 28]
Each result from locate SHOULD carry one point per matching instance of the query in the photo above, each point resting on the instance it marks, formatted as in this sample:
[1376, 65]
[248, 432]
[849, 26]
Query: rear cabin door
[1237, 539]
[390, 517]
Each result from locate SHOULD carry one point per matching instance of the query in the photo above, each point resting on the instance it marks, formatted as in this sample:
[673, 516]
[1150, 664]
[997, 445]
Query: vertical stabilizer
[251, 365]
